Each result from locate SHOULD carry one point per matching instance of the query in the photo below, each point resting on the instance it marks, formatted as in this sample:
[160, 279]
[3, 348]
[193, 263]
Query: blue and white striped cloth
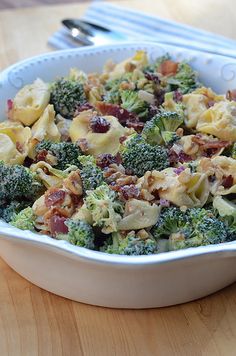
[135, 25]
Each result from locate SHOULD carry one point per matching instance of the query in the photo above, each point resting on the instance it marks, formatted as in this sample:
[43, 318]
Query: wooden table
[35, 322]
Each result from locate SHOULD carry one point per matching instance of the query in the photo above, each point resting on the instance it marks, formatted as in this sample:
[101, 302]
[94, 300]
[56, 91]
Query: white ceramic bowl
[99, 278]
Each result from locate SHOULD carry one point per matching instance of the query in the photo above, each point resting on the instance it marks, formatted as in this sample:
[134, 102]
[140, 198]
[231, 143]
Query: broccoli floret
[130, 245]
[234, 151]
[226, 211]
[170, 137]
[91, 174]
[66, 153]
[152, 131]
[161, 128]
[113, 88]
[185, 80]
[8, 209]
[171, 103]
[80, 233]
[104, 207]
[192, 228]
[170, 121]
[131, 101]
[18, 182]
[66, 96]
[138, 157]
[172, 220]
[210, 230]
[24, 220]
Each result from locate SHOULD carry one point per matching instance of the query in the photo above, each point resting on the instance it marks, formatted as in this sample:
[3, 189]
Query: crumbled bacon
[57, 225]
[209, 148]
[168, 68]
[54, 196]
[228, 181]
[136, 125]
[77, 200]
[124, 117]
[231, 95]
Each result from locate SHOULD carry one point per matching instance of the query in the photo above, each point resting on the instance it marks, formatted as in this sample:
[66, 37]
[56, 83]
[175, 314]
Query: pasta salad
[137, 160]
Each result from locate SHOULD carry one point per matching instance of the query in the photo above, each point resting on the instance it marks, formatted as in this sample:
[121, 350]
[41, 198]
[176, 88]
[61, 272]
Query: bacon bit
[41, 156]
[57, 225]
[209, 148]
[124, 117]
[137, 126]
[115, 110]
[231, 95]
[77, 200]
[83, 144]
[168, 68]
[227, 182]
[54, 196]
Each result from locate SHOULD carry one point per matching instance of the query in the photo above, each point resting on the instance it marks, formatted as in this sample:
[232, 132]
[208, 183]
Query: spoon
[87, 33]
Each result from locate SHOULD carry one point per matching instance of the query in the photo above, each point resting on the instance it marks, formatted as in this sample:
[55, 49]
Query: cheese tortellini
[184, 189]
[30, 102]
[220, 167]
[98, 143]
[219, 120]
[14, 141]
[138, 215]
[44, 129]
[196, 104]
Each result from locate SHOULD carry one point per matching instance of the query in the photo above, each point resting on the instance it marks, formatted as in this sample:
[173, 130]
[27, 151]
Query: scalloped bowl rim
[6, 230]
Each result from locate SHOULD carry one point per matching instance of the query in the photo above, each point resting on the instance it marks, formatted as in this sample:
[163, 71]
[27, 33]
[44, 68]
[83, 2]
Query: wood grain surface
[34, 322]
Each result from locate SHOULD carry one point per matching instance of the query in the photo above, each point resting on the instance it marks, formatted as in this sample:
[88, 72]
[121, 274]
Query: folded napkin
[135, 25]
